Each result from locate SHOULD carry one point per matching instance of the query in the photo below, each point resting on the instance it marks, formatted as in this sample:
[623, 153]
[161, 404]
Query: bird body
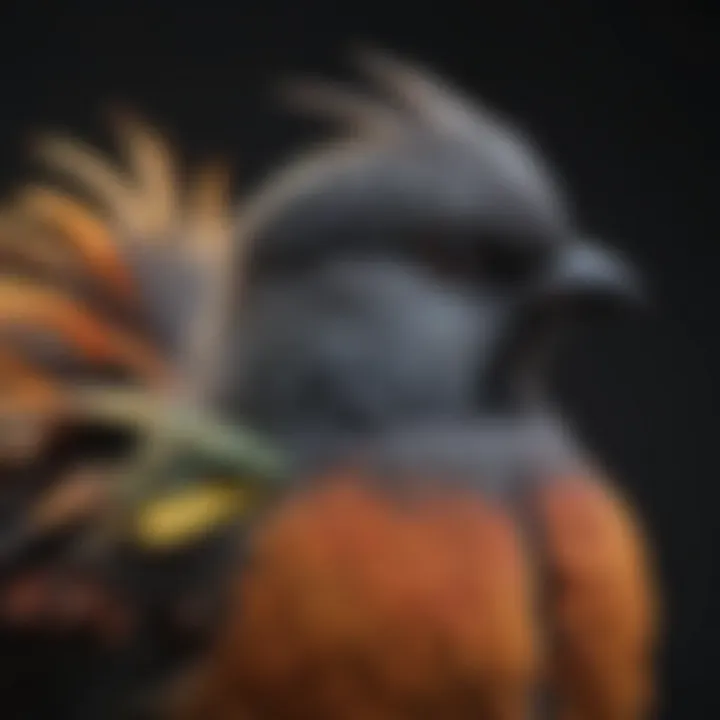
[408, 531]
[439, 598]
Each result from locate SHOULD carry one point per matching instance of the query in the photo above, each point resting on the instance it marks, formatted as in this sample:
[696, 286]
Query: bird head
[414, 272]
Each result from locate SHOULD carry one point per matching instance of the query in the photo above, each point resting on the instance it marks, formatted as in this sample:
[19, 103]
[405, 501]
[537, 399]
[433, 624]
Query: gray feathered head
[398, 273]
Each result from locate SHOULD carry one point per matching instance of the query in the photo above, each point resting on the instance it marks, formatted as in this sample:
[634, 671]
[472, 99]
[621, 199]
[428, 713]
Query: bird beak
[584, 281]
[586, 276]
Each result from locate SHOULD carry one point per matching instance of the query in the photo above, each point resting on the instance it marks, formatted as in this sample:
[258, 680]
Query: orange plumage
[357, 606]
[601, 600]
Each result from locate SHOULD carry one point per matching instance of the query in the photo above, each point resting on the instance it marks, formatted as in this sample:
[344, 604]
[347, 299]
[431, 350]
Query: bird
[343, 445]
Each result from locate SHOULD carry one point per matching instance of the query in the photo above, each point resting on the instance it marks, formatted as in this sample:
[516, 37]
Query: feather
[363, 115]
[25, 245]
[37, 307]
[92, 172]
[414, 153]
[210, 242]
[165, 247]
[602, 598]
[153, 171]
[87, 234]
[425, 97]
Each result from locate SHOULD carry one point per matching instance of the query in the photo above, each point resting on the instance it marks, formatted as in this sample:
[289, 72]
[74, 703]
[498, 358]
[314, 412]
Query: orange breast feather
[602, 603]
[353, 606]
[359, 608]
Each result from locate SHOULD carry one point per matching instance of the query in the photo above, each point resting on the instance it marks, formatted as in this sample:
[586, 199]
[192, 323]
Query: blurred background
[621, 96]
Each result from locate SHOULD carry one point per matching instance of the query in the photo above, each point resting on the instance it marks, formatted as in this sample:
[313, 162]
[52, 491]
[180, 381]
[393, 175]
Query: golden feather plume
[83, 232]
[67, 247]
[143, 206]
[35, 307]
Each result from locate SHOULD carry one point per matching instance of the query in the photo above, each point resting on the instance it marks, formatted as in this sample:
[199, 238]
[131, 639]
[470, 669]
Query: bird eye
[500, 262]
[507, 263]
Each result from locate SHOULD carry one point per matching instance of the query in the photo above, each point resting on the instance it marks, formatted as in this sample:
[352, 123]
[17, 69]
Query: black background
[623, 99]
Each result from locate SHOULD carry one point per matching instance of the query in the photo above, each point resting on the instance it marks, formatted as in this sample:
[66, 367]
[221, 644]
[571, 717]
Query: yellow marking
[181, 517]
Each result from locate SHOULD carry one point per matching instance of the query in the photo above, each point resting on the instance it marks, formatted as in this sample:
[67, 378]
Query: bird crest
[130, 291]
[401, 147]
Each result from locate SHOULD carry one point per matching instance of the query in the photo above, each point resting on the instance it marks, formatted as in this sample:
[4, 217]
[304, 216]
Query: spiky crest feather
[66, 269]
[405, 103]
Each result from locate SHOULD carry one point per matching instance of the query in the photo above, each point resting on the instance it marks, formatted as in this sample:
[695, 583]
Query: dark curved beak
[584, 281]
